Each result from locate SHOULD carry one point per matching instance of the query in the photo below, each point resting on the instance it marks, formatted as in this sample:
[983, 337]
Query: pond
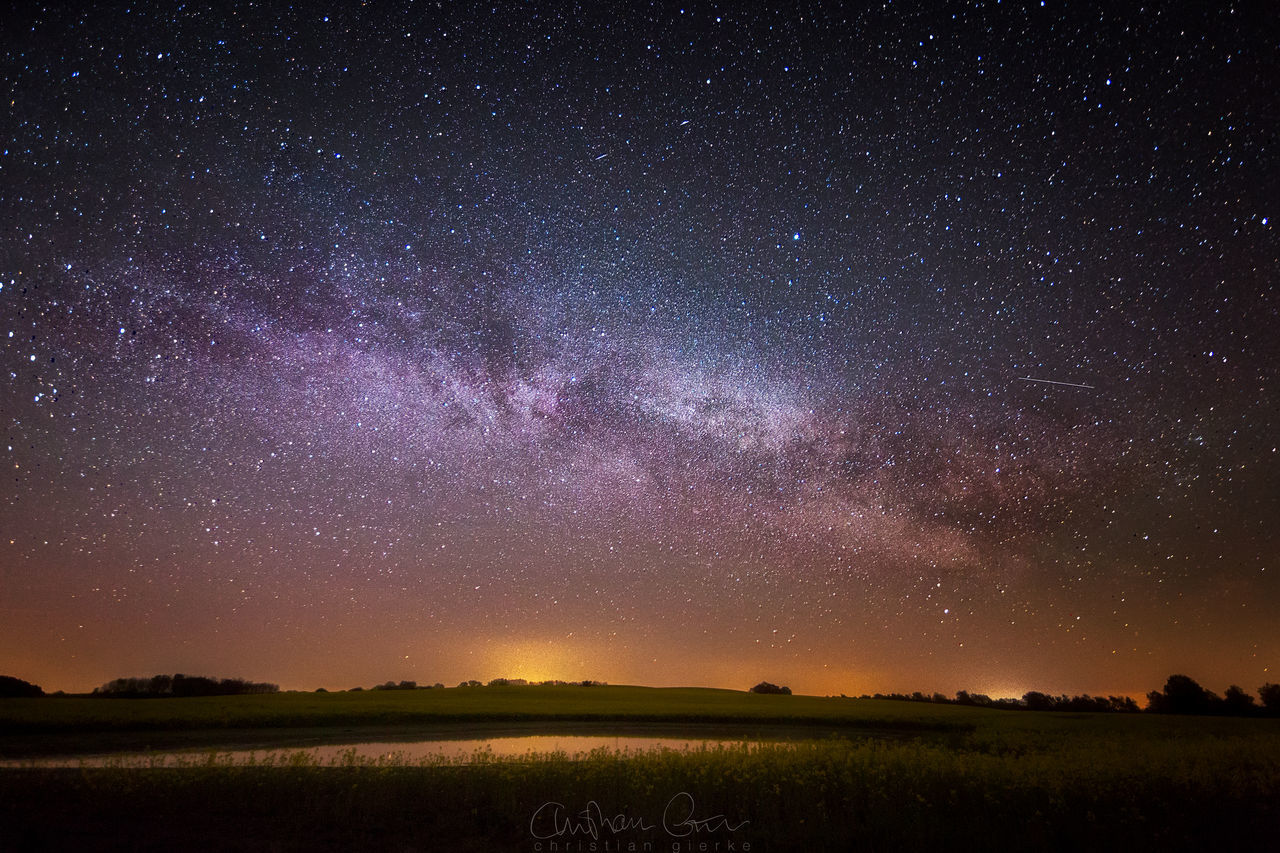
[396, 751]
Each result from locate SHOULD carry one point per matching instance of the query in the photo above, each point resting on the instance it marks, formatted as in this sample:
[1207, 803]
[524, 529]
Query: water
[407, 752]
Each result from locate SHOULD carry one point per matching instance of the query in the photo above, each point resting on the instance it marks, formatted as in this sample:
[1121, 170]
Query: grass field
[951, 778]
[462, 704]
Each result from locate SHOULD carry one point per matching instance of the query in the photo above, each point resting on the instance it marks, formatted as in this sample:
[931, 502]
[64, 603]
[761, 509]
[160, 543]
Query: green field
[396, 707]
[856, 775]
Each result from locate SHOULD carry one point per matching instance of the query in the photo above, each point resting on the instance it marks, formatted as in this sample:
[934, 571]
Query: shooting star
[1056, 382]
[602, 156]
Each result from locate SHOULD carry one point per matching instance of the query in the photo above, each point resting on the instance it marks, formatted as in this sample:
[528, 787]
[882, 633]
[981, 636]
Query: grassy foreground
[965, 779]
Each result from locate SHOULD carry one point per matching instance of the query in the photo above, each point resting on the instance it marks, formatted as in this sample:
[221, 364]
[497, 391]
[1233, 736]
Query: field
[854, 775]
[407, 707]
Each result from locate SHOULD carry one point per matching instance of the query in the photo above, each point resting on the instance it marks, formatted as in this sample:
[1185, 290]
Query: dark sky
[921, 347]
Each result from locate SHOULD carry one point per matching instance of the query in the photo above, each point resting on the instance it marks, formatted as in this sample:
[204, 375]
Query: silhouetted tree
[1091, 704]
[1037, 701]
[1182, 695]
[193, 685]
[1124, 704]
[766, 687]
[16, 688]
[1237, 701]
[1270, 695]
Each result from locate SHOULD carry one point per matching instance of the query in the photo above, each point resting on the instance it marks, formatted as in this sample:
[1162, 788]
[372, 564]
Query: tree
[1182, 695]
[1237, 701]
[1124, 704]
[1037, 701]
[16, 688]
[766, 687]
[964, 697]
[1270, 695]
[182, 685]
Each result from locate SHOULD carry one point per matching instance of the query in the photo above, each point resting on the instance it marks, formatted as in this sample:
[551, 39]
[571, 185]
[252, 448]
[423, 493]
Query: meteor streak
[1055, 382]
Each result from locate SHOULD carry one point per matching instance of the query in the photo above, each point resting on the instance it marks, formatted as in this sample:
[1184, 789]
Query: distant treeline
[1181, 695]
[1032, 701]
[16, 688]
[181, 685]
[496, 682]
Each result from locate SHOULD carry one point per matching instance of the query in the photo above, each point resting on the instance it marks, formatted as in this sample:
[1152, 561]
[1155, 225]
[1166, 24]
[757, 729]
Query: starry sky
[865, 348]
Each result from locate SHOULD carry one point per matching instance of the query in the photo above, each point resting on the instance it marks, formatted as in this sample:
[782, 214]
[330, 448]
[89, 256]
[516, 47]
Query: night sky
[642, 344]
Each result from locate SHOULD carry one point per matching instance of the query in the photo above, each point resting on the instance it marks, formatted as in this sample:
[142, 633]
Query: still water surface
[408, 752]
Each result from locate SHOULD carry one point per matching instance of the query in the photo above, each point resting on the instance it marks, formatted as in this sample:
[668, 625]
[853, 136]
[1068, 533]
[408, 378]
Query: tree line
[1033, 700]
[1181, 695]
[181, 685]
[197, 685]
[496, 682]
[16, 688]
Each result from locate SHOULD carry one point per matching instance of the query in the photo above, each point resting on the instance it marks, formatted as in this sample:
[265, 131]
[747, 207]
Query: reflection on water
[399, 752]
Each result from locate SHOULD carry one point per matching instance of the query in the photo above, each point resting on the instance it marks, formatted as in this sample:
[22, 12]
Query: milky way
[669, 346]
